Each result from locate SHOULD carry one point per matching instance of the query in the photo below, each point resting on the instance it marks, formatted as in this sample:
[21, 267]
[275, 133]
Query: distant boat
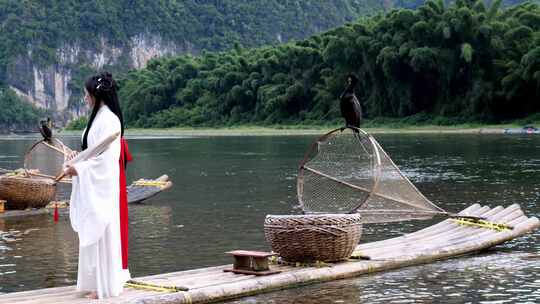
[524, 130]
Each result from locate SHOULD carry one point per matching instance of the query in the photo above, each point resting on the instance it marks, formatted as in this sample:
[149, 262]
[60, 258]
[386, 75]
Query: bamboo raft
[142, 189]
[444, 240]
[138, 192]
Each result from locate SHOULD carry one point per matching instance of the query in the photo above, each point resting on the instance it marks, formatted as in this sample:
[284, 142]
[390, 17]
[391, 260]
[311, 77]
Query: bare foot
[91, 295]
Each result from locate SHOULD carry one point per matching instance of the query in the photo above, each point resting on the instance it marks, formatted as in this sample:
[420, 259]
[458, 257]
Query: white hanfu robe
[94, 213]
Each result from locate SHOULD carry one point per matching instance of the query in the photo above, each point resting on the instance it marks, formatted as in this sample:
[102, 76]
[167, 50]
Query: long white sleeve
[95, 191]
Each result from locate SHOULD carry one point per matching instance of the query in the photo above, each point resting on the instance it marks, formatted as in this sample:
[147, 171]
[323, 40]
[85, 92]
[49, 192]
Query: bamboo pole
[449, 240]
[471, 241]
[426, 232]
[411, 244]
[29, 172]
[454, 231]
[65, 180]
[77, 297]
[210, 282]
[472, 210]
[469, 210]
[188, 272]
[190, 281]
[6, 298]
[449, 228]
[65, 153]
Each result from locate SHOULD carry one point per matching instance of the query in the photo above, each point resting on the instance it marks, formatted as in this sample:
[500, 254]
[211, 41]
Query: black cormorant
[45, 130]
[349, 104]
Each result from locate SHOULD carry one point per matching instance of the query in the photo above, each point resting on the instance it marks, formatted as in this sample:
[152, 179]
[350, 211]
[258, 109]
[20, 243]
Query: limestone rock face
[51, 87]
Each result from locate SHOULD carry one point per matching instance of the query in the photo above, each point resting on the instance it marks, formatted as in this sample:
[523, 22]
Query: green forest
[15, 113]
[38, 28]
[466, 61]
[205, 24]
[452, 63]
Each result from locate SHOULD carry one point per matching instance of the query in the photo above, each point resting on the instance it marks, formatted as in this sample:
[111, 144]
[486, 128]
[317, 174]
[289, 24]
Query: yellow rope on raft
[483, 224]
[357, 255]
[274, 260]
[151, 183]
[15, 173]
[154, 287]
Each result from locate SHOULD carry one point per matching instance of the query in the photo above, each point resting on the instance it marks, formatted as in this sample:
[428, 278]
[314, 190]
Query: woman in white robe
[94, 209]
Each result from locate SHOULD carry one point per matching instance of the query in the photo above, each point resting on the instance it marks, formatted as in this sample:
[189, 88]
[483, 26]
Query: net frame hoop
[377, 170]
[28, 156]
[314, 147]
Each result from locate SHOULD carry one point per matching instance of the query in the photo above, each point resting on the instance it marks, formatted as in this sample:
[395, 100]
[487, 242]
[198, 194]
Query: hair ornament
[105, 83]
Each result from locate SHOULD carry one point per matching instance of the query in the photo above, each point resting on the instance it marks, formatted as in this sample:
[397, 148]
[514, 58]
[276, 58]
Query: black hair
[103, 89]
[354, 79]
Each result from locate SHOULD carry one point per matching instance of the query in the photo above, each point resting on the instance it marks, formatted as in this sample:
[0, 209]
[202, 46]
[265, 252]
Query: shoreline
[292, 131]
[286, 131]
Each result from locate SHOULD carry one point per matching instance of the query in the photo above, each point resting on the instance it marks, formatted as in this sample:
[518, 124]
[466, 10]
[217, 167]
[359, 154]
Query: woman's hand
[71, 171]
[71, 155]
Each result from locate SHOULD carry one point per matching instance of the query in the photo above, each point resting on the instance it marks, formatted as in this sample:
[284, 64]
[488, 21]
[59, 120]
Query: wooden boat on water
[447, 239]
[143, 189]
[138, 192]
[524, 130]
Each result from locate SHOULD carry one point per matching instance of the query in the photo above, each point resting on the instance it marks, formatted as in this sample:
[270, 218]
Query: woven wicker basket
[305, 238]
[26, 192]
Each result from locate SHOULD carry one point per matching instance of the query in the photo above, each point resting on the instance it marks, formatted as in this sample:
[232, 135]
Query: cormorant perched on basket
[45, 130]
[349, 104]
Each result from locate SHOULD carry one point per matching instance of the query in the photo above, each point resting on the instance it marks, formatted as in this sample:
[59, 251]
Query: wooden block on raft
[251, 262]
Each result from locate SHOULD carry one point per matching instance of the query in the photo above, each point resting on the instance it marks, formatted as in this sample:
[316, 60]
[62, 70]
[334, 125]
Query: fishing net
[347, 171]
[46, 157]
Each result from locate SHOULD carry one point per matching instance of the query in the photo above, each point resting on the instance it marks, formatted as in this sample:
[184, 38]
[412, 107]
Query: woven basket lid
[313, 219]
[29, 180]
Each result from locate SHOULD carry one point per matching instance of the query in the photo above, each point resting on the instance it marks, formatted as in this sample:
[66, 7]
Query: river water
[224, 187]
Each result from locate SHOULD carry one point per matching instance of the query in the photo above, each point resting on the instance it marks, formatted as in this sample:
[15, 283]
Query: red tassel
[56, 213]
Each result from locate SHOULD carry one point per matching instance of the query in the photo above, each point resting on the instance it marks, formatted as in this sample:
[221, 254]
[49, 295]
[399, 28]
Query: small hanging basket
[316, 237]
[22, 192]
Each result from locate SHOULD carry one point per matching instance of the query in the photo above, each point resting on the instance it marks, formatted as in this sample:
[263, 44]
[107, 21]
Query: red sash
[125, 157]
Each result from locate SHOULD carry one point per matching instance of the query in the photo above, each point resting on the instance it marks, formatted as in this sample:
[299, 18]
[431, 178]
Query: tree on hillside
[464, 60]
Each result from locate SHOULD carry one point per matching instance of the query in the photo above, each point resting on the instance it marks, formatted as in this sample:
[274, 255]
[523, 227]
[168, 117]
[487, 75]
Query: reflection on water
[45, 255]
[478, 279]
[224, 187]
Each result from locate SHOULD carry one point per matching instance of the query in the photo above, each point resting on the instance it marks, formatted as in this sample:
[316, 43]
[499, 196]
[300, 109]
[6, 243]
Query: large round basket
[26, 192]
[305, 238]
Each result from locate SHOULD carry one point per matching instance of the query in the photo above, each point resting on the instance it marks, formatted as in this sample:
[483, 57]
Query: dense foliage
[41, 27]
[78, 124]
[464, 60]
[16, 114]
